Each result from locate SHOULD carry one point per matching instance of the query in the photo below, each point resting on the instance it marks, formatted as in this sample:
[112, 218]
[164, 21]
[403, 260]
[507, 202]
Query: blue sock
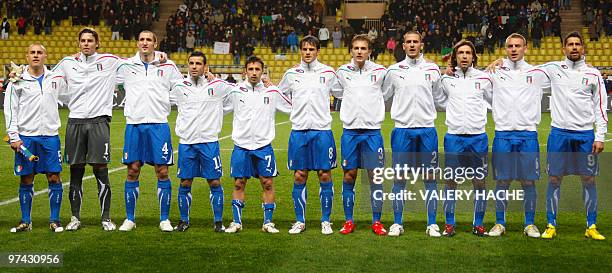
[164, 196]
[299, 201]
[501, 205]
[26, 192]
[431, 202]
[55, 200]
[449, 206]
[398, 205]
[529, 204]
[268, 212]
[237, 207]
[184, 202]
[552, 202]
[131, 196]
[480, 206]
[589, 195]
[216, 202]
[377, 205]
[348, 199]
[326, 196]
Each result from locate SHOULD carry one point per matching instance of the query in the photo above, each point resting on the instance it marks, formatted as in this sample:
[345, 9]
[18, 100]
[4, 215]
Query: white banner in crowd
[221, 48]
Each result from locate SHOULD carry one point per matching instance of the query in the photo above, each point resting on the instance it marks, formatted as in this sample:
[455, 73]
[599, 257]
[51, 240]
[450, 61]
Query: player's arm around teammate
[311, 143]
[32, 121]
[254, 107]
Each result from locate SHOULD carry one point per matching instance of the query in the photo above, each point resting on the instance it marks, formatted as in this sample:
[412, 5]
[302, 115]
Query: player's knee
[479, 184]
[186, 182]
[53, 178]
[214, 182]
[133, 174]
[162, 172]
[267, 183]
[350, 175]
[555, 180]
[99, 166]
[27, 179]
[527, 183]
[587, 180]
[324, 176]
[503, 183]
[239, 185]
[301, 176]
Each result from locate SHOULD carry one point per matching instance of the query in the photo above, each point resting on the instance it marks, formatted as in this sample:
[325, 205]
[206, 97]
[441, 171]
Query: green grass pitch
[200, 249]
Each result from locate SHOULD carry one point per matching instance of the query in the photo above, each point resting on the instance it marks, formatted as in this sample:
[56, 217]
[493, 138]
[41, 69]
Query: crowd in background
[126, 17]
[597, 16]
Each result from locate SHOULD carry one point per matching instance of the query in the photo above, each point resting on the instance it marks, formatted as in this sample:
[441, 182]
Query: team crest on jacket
[529, 79]
[266, 100]
[373, 78]
[585, 81]
[321, 79]
[211, 92]
[54, 85]
[160, 73]
[99, 67]
[428, 77]
[477, 86]
[187, 83]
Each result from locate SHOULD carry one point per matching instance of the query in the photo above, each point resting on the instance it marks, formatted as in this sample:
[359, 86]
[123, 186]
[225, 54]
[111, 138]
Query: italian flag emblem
[211, 92]
[322, 80]
[428, 77]
[99, 67]
[529, 79]
[477, 86]
[585, 81]
[266, 100]
[373, 78]
[160, 73]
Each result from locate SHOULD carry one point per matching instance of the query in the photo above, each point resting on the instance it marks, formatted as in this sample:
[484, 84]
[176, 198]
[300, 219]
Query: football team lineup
[510, 87]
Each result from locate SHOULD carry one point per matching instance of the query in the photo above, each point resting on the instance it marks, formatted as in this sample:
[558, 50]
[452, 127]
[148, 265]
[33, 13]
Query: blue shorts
[415, 147]
[149, 143]
[516, 155]
[311, 150]
[362, 149]
[466, 151]
[199, 160]
[253, 163]
[569, 152]
[47, 148]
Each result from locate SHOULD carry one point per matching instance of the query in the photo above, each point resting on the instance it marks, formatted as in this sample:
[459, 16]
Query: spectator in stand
[479, 43]
[5, 29]
[115, 28]
[126, 30]
[337, 37]
[21, 26]
[323, 36]
[292, 41]
[391, 43]
[189, 42]
[37, 26]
